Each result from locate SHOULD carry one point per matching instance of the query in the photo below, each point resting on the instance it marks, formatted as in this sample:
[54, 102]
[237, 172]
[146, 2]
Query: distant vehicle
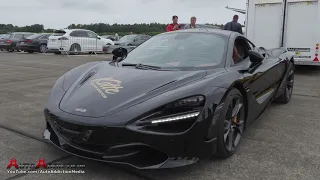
[10, 41]
[112, 37]
[295, 26]
[132, 40]
[35, 43]
[76, 41]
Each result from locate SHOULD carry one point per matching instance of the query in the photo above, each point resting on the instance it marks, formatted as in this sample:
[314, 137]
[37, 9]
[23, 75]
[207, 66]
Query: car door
[257, 83]
[86, 43]
[95, 42]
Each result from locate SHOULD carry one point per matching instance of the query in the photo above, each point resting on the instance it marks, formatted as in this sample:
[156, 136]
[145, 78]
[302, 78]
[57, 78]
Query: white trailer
[294, 24]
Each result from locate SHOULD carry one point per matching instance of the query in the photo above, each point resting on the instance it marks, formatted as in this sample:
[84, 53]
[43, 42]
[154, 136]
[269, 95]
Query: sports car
[177, 99]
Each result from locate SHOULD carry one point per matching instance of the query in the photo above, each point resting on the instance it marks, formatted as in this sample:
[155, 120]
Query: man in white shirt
[192, 25]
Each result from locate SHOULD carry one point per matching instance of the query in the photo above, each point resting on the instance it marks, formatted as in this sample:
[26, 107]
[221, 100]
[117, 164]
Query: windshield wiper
[142, 66]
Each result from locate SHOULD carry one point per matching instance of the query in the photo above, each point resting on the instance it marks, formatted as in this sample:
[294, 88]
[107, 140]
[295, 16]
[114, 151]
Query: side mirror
[119, 52]
[255, 57]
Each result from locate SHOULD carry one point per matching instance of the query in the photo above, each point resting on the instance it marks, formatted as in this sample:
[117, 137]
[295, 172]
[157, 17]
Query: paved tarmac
[282, 144]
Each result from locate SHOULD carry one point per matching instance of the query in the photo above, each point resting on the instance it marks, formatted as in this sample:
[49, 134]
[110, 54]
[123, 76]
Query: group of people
[231, 26]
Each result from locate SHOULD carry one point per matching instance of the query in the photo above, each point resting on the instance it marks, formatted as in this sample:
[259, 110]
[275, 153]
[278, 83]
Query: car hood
[108, 89]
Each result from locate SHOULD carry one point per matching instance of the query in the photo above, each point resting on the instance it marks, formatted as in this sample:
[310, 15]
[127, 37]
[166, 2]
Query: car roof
[205, 30]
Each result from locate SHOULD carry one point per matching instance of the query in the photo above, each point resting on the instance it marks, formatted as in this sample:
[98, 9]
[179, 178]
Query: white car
[76, 41]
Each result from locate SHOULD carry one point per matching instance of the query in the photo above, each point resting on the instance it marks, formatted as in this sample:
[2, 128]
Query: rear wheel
[286, 96]
[231, 124]
[42, 48]
[75, 49]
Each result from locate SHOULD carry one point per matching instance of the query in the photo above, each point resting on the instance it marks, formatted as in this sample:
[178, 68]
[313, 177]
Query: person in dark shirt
[174, 26]
[234, 25]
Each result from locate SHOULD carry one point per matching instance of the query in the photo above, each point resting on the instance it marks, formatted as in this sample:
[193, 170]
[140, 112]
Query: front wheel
[231, 124]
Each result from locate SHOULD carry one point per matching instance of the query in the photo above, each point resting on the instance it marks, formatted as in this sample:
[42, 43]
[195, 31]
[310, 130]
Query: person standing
[234, 25]
[192, 24]
[174, 26]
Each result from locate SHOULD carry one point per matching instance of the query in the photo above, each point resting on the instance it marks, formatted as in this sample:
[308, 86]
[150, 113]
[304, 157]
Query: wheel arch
[75, 44]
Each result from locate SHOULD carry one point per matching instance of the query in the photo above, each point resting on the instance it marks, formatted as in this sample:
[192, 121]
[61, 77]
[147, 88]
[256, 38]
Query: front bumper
[123, 146]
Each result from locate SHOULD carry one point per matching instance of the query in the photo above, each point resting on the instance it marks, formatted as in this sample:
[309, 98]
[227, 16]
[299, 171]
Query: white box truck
[294, 24]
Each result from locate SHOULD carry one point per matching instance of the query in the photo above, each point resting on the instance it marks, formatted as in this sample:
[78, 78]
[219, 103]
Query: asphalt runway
[282, 144]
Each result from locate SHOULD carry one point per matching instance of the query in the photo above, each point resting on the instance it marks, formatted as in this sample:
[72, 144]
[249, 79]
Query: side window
[83, 34]
[44, 37]
[75, 34]
[17, 36]
[240, 50]
[137, 38]
[92, 34]
[250, 46]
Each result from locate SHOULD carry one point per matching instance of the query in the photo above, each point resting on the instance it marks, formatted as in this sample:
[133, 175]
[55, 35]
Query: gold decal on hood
[106, 86]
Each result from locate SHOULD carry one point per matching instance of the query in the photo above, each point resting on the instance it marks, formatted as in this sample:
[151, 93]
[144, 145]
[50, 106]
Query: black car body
[178, 98]
[10, 41]
[35, 43]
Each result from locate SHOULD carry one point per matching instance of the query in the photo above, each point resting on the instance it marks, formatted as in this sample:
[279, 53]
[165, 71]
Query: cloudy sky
[60, 13]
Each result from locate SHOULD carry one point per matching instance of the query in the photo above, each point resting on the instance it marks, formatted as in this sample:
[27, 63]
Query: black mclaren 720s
[176, 99]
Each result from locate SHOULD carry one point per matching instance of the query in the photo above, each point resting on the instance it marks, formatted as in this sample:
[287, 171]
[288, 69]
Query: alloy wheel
[234, 123]
[289, 86]
[43, 48]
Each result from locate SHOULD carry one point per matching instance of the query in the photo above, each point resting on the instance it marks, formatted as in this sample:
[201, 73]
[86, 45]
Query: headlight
[174, 117]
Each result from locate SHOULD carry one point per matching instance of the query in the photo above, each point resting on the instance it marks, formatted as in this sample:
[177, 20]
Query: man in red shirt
[174, 26]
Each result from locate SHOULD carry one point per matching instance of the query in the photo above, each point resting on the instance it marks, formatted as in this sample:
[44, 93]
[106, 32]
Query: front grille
[86, 137]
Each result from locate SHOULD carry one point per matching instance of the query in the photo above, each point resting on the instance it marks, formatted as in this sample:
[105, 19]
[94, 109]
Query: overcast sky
[61, 13]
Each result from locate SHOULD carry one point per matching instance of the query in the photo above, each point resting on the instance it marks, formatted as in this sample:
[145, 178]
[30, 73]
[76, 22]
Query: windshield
[180, 50]
[128, 38]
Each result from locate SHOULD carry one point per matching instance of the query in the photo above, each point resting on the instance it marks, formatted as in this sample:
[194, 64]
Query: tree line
[99, 28]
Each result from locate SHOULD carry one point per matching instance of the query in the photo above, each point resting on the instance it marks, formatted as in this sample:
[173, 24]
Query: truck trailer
[293, 24]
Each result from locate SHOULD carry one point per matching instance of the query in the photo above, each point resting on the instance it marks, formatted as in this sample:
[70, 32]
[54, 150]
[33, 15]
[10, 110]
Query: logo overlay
[42, 167]
[106, 86]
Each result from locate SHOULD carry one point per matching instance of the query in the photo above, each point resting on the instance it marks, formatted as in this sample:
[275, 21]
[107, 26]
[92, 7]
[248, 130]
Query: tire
[285, 97]
[42, 48]
[231, 124]
[75, 49]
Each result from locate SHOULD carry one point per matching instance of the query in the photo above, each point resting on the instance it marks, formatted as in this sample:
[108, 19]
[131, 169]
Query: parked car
[112, 37]
[35, 43]
[10, 41]
[133, 40]
[76, 41]
[1, 37]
